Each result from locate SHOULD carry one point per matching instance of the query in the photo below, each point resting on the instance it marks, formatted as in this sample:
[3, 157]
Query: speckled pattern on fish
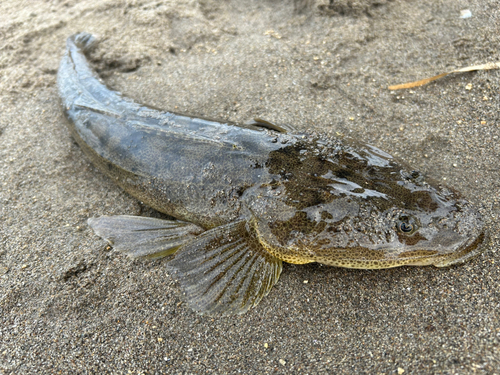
[245, 198]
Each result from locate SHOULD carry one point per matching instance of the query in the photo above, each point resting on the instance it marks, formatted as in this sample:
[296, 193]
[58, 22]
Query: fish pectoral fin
[139, 236]
[225, 270]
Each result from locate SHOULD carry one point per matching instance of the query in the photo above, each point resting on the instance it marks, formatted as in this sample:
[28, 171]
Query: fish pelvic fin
[225, 270]
[139, 236]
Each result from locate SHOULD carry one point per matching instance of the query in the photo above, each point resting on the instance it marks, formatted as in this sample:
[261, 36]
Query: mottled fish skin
[247, 198]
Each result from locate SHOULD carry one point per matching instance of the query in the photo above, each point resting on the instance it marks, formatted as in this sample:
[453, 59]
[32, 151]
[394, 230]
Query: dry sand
[68, 304]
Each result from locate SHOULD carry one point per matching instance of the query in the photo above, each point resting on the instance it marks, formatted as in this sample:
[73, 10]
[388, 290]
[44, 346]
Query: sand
[69, 304]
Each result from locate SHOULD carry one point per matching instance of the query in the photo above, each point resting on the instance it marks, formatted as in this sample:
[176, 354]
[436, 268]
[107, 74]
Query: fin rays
[222, 271]
[225, 271]
[144, 236]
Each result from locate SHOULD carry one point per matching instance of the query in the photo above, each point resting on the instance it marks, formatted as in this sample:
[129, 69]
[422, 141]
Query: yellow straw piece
[495, 65]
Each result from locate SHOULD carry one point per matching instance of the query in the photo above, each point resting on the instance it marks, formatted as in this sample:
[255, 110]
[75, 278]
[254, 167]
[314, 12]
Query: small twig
[488, 66]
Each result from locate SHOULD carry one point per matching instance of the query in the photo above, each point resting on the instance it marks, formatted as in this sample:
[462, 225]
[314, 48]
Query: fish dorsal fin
[225, 270]
[139, 236]
[260, 123]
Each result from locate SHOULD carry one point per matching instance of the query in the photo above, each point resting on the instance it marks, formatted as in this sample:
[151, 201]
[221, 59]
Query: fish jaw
[473, 248]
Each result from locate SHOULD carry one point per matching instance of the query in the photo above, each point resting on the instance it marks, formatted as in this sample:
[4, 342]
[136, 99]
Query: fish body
[245, 198]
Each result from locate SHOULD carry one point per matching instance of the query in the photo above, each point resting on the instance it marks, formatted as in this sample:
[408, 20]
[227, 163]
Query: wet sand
[69, 304]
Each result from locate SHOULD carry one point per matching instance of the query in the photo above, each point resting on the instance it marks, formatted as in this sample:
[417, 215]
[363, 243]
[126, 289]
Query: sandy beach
[69, 304]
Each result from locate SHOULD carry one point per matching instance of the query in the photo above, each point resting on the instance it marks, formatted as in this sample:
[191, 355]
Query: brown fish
[245, 198]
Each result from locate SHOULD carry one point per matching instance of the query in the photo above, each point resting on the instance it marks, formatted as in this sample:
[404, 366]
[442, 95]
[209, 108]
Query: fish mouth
[469, 250]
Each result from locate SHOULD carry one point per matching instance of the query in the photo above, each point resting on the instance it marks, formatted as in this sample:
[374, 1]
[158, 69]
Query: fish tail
[77, 46]
[84, 41]
[74, 69]
[79, 86]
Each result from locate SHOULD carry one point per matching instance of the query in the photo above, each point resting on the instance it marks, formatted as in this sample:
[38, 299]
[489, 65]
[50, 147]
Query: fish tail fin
[139, 236]
[84, 41]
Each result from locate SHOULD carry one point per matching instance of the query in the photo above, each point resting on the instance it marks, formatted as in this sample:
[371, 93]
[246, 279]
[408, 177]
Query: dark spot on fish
[415, 174]
[323, 242]
[411, 240]
[424, 200]
[241, 190]
[325, 215]
[343, 173]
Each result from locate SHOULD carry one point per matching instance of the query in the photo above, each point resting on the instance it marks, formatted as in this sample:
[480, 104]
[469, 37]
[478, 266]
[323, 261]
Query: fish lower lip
[468, 252]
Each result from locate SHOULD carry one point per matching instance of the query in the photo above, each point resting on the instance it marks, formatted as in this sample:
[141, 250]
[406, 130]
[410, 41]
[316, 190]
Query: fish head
[353, 205]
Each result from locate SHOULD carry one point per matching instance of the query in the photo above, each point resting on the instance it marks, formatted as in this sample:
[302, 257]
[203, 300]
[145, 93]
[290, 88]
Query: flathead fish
[245, 198]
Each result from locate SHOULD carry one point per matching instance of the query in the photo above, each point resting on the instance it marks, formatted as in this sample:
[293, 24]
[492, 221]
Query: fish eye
[406, 225]
[415, 174]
